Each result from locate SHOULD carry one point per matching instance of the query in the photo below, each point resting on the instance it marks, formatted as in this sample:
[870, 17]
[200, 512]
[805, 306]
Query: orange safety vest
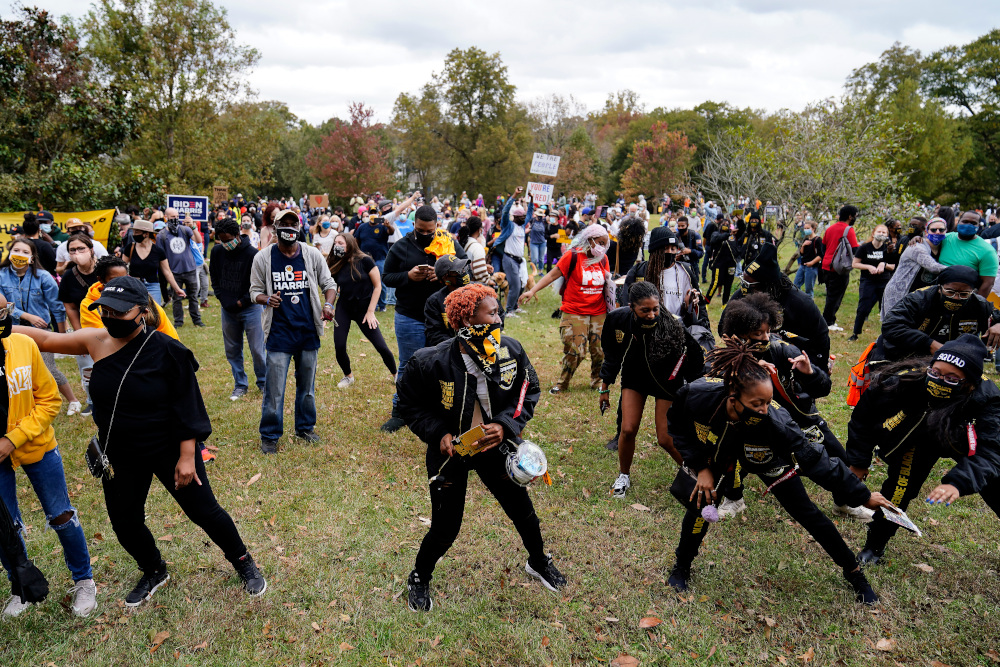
[859, 378]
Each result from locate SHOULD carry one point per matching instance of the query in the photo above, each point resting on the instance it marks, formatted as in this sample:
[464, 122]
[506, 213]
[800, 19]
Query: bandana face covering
[484, 339]
[232, 244]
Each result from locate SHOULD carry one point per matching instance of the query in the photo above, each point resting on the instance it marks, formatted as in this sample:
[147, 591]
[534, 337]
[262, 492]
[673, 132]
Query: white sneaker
[621, 486]
[74, 408]
[84, 597]
[834, 327]
[15, 607]
[730, 508]
[862, 514]
[345, 383]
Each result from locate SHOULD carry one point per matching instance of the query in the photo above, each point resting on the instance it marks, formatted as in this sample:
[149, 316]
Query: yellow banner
[100, 220]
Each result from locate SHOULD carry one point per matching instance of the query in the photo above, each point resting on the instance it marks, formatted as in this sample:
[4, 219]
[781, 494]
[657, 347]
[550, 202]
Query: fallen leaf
[771, 623]
[436, 640]
[993, 655]
[640, 507]
[271, 520]
[808, 655]
[649, 622]
[315, 626]
[610, 619]
[923, 567]
[625, 661]
[711, 652]
[167, 538]
[158, 640]
[345, 618]
[934, 522]
[938, 663]
[546, 641]
[783, 660]
[885, 644]
[344, 646]
[203, 645]
[586, 492]
[253, 479]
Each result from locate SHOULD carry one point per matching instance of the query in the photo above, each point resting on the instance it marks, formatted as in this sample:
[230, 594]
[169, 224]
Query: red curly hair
[461, 305]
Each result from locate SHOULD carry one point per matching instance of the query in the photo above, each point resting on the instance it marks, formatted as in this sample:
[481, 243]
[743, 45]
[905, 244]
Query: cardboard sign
[544, 165]
[220, 193]
[196, 207]
[99, 220]
[319, 201]
[541, 193]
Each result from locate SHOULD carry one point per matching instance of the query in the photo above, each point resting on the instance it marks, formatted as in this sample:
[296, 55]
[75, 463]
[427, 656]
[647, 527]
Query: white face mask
[598, 251]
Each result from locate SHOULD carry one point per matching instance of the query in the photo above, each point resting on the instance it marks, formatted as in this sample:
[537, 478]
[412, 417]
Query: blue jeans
[409, 339]
[234, 325]
[513, 271]
[537, 251]
[272, 412]
[154, 291]
[380, 263]
[806, 275]
[49, 481]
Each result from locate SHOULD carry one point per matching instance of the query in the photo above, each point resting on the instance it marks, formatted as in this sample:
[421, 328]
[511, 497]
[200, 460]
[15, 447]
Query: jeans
[203, 283]
[513, 271]
[272, 423]
[154, 291]
[49, 481]
[189, 283]
[380, 263]
[86, 365]
[537, 251]
[409, 339]
[234, 325]
[806, 276]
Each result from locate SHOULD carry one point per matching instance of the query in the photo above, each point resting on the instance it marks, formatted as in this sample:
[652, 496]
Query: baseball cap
[450, 264]
[517, 212]
[586, 211]
[287, 213]
[385, 206]
[122, 294]
[44, 216]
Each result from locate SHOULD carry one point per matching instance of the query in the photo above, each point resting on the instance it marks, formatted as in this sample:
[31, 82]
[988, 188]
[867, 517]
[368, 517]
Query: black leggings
[354, 311]
[793, 497]
[907, 474]
[869, 294]
[125, 496]
[448, 504]
[722, 280]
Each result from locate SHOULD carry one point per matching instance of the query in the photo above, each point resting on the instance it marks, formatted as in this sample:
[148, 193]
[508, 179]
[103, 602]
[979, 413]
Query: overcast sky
[319, 55]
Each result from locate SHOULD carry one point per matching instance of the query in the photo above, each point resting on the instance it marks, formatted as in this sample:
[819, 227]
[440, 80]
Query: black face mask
[751, 418]
[287, 235]
[6, 322]
[423, 240]
[643, 327]
[669, 259]
[938, 392]
[119, 328]
[951, 304]
[683, 231]
[172, 225]
[138, 238]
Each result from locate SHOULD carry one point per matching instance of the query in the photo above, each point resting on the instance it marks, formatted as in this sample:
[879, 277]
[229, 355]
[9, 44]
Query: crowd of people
[731, 397]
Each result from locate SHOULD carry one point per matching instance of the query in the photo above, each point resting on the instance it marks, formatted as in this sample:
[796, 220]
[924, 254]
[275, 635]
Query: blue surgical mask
[935, 239]
[966, 229]
[45, 227]
[326, 225]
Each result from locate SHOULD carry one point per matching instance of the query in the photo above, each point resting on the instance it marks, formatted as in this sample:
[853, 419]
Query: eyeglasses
[113, 314]
[78, 251]
[952, 380]
[952, 294]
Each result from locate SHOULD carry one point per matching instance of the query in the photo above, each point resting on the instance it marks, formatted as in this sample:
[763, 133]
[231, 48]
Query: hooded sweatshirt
[230, 272]
[92, 318]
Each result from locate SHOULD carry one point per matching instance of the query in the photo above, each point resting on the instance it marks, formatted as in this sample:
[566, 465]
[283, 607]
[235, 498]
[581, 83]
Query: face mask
[682, 231]
[338, 251]
[759, 348]
[936, 238]
[938, 391]
[232, 244]
[598, 251]
[19, 261]
[138, 238]
[642, 326]
[953, 304]
[423, 240]
[172, 225]
[807, 232]
[45, 228]
[6, 321]
[119, 328]
[484, 339]
[755, 223]
[882, 237]
[669, 259]
[751, 418]
[326, 225]
[966, 230]
[287, 235]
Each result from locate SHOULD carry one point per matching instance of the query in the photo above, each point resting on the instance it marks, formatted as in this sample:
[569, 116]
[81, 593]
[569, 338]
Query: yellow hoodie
[92, 318]
[34, 401]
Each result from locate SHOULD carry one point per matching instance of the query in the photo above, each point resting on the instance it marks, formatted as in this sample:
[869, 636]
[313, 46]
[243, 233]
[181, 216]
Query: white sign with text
[544, 165]
[541, 193]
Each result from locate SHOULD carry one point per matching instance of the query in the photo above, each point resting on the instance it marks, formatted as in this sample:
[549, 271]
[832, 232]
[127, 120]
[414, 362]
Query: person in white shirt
[74, 225]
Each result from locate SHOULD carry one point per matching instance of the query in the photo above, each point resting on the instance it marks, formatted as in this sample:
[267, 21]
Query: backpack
[843, 256]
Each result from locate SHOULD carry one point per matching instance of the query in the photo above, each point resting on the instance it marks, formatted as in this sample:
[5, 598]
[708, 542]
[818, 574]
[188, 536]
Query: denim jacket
[35, 294]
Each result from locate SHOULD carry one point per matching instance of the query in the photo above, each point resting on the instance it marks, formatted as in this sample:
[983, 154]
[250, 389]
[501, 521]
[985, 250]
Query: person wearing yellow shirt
[109, 268]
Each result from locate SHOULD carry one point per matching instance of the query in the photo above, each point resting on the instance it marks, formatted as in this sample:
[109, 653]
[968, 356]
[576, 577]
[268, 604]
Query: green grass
[335, 527]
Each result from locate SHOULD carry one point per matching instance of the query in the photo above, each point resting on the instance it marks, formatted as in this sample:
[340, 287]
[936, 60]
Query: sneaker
[346, 382]
[269, 446]
[555, 391]
[308, 436]
[178, 325]
[393, 424]
[207, 455]
[869, 557]
[238, 393]
[204, 304]
[74, 408]
[199, 324]
[863, 592]
[730, 508]
[84, 597]
[520, 311]
[147, 585]
[15, 607]
[419, 597]
[679, 577]
[511, 314]
[621, 486]
[834, 327]
[556, 314]
[87, 410]
[612, 444]
[862, 514]
[254, 582]
[546, 573]
[853, 338]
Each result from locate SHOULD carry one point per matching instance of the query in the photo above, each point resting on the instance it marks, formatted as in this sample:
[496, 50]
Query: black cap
[764, 269]
[662, 237]
[966, 352]
[450, 264]
[385, 206]
[959, 274]
[720, 216]
[754, 215]
[44, 216]
[122, 294]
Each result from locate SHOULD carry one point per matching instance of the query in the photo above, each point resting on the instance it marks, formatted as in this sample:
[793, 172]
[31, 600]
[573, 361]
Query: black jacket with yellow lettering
[798, 391]
[706, 438]
[893, 417]
[619, 340]
[921, 318]
[436, 392]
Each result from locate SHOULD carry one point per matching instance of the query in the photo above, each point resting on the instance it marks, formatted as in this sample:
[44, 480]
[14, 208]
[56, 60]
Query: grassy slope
[336, 527]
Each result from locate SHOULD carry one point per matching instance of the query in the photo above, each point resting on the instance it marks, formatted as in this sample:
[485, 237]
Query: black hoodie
[411, 295]
[230, 273]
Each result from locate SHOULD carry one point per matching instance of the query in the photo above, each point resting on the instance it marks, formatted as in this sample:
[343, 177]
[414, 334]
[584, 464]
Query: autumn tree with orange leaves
[354, 157]
[659, 164]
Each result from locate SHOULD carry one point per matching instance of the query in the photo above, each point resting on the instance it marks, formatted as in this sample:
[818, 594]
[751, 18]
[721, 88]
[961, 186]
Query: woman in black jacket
[921, 410]
[725, 256]
[729, 418]
[655, 355]
[479, 378]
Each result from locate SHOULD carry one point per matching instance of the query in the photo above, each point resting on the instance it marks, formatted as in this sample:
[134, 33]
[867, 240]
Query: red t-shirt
[831, 239]
[584, 294]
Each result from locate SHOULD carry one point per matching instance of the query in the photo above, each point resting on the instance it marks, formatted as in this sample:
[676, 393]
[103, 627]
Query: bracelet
[603, 391]
[328, 304]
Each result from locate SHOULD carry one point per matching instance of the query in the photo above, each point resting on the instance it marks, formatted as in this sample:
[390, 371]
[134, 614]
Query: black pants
[793, 497]
[870, 294]
[836, 287]
[722, 280]
[907, 474]
[448, 504]
[354, 311]
[125, 496]
[552, 254]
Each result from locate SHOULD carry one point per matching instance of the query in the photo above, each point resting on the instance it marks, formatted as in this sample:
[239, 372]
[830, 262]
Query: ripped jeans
[49, 481]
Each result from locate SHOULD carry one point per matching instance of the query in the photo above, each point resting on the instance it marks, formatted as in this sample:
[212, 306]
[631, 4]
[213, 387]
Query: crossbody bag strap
[107, 436]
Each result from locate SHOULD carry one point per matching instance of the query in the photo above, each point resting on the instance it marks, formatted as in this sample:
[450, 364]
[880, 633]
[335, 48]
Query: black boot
[679, 576]
[394, 423]
[863, 592]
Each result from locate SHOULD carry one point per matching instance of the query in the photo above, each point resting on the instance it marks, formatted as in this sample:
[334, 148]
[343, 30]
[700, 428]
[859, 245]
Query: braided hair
[749, 314]
[735, 364]
[654, 268]
[669, 341]
[631, 233]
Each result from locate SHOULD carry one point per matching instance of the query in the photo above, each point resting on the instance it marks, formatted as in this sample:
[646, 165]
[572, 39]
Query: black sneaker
[147, 586]
[869, 557]
[269, 446]
[253, 581]
[178, 325]
[556, 314]
[419, 597]
[853, 338]
[863, 592]
[612, 444]
[199, 324]
[679, 577]
[87, 410]
[308, 436]
[546, 573]
[393, 424]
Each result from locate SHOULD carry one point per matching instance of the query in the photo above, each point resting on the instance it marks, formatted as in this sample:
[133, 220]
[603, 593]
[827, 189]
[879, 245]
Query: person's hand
[181, 294]
[490, 269]
[943, 493]
[860, 473]
[493, 437]
[801, 364]
[371, 320]
[185, 472]
[871, 269]
[768, 366]
[417, 274]
[327, 312]
[274, 301]
[935, 346]
[446, 447]
[34, 320]
[603, 402]
[526, 297]
[6, 448]
[686, 251]
[992, 337]
[705, 488]
[877, 500]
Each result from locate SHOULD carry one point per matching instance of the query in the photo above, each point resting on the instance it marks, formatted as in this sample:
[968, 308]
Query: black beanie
[959, 274]
[966, 352]
[754, 215]
[765, 268]
[661, 237]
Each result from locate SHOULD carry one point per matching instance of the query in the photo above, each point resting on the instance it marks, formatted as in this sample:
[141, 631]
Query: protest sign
[319, 201]
[544, 165]
[99, 220]
[541, 193]
[196, 207]
[220, 193]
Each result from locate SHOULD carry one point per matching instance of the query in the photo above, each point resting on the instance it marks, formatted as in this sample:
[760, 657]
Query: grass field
[335, 527]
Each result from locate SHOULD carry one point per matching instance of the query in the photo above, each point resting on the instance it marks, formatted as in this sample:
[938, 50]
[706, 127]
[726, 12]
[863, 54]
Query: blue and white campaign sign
[544, 165]
[541, 193]
[196, 207]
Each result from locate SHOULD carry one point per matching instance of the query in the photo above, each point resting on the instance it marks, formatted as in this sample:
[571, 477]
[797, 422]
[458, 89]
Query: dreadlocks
[736, 365]
[631, 233]
[654, 268]
[669, 341]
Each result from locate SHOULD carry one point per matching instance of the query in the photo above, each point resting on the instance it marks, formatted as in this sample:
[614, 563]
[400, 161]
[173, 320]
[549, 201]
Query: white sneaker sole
[530, 570]
[847, 514]
[262, 591]
[148, 595]
[418, 611]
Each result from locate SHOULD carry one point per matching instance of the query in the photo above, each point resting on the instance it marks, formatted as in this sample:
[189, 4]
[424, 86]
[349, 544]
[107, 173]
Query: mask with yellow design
[484, 339]
[19, 260]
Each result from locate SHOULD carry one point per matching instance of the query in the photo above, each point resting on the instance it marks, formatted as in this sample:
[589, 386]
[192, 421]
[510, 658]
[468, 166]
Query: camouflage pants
[578, 332]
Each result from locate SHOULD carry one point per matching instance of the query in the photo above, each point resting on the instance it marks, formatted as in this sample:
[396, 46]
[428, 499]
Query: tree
[354, 157]
[421, 150]
[554, 120]
[659, 164]
[579, 166]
